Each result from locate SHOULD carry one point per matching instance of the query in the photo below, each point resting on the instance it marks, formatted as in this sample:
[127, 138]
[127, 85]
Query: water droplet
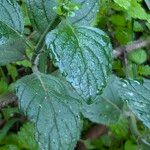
[130, 93]
[137, 82]
[124, 85]
[107, 106]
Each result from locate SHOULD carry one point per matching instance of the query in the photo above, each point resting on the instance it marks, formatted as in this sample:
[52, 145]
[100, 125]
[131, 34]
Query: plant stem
[41, 42]
[130, 47]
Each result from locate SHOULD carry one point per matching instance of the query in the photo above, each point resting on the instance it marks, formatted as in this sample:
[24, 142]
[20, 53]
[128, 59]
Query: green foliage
[107, 107]
[134, 9]
[138, 56]
[66, 8]
[24, 139]
[87, 77]
[64, 39]
[40, 18]
[9, 112]
[12, 71]
[137, 97]
[120, 129]
[55, 113]
[144, 70]
[147, 3]
[6, 128]
[4, 86]
[11, 22]
[130, 145]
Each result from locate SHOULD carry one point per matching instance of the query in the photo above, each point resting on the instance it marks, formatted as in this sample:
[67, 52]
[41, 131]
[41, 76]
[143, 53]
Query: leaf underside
[138, 98]
[45, 100]
[42, 13]
[83, 55]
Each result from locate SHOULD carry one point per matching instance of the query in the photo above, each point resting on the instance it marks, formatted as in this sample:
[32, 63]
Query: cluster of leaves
[124, 28]
[84, 86]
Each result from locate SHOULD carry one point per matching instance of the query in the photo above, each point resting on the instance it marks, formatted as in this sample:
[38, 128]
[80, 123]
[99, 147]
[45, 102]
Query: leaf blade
[108, 107]
[42, 13]
[11, 15]
[11, 22]
[55, 114]
[84, 55]
[137, 97]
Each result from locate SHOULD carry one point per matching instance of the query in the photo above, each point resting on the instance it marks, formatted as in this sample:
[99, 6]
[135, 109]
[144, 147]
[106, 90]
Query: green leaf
[4, 86]
[6, 128]
[118, 20]
[42, 13]
[11, 15]
[45, 100]
[12, 71]
[138, 27]
[134, 9]
[25, 63]
[11, 25]
[9, 147]
[123, 35]
[71, 91]
[9, 112]
[108, 106]
[138, 98]
[130, 145]
[139, 56]
[121, 128]
[147, 3]
[83, 55]
[26, 139]
[87, 12]
[12, 51]
[125, 4]
[144, 70]
[23, 140]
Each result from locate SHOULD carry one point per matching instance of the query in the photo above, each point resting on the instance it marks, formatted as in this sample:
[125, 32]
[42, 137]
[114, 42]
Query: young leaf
[138, 98]
[11, 23]
[25, 137]
[138, 56]
[108, 106]
[134, 9]
[23, 140]
[42, 13]
[83, 54]
[144, 70]
[46, 102]
[86, 13]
